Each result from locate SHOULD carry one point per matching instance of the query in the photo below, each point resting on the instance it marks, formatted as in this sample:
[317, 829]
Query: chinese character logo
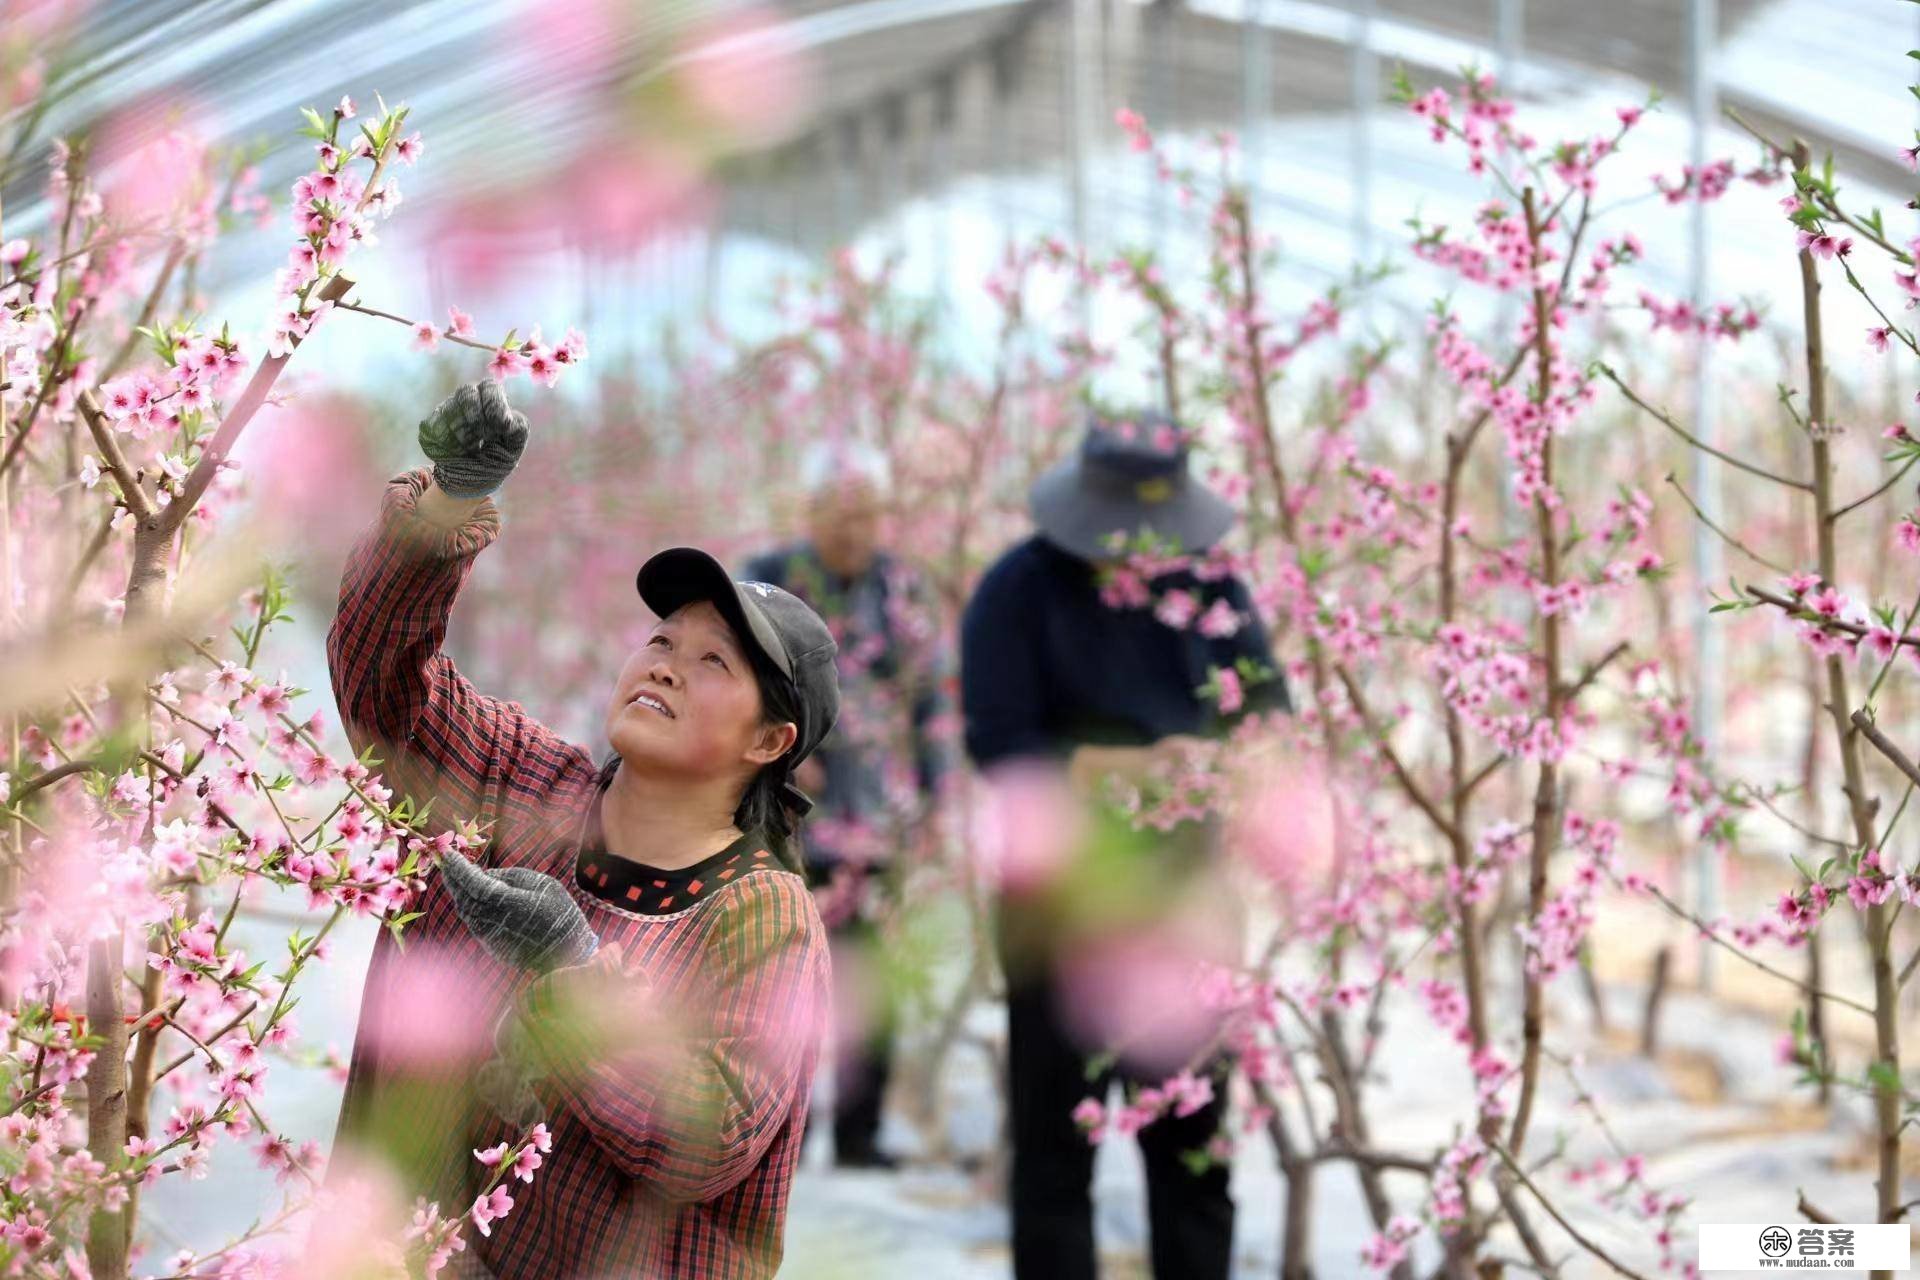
[1775, 1241]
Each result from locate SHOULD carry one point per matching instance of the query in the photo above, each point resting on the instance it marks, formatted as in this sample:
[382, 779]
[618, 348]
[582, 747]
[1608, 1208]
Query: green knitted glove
[526, 918]
[474, 440]
[505, 1081]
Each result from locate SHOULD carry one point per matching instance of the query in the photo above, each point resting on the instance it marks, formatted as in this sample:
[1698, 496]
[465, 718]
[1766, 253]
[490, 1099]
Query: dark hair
[761, 808]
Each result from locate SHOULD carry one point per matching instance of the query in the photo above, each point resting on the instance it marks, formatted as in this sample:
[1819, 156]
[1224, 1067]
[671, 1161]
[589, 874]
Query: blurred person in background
[632, 962]
[1057, 681]
[876, 777]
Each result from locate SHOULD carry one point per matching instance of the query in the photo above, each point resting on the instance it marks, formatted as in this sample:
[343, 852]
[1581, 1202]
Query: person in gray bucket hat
[1128, 478]
[1053, 677]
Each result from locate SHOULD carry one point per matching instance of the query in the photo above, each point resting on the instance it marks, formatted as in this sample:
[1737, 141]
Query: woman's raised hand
[474, 439]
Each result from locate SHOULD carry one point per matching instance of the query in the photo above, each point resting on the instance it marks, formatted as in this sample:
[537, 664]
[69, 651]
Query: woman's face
[687, 703]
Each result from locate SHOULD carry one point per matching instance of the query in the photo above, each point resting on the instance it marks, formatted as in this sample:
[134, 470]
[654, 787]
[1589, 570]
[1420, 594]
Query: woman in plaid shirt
[676, 1125]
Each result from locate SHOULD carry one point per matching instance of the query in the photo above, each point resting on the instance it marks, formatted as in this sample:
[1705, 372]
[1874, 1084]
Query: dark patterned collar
[651, 891]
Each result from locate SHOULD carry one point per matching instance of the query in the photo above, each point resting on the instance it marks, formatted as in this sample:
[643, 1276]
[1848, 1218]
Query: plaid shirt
[674, 1161]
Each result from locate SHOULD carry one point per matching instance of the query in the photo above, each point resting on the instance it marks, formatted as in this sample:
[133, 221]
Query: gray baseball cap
[776, 623]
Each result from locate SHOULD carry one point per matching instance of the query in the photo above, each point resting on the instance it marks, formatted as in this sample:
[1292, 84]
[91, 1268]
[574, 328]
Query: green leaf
[1884, 1076]
[1197, 1160]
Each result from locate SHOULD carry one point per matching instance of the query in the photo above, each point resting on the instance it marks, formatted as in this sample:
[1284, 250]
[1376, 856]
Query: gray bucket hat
[1129, 476]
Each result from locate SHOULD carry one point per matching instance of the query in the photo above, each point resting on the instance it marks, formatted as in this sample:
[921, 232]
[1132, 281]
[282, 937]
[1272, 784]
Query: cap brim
[1082, 522]
[682, 576]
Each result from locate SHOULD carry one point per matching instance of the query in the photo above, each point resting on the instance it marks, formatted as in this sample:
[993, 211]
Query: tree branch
[1660, 415]
[1891, 481]
[1795, 609]
[1412, 788]
[1520, 1176]
[52, 776]
[1712, 935]
[1864, 723]
[103, 439]
[1725, 537]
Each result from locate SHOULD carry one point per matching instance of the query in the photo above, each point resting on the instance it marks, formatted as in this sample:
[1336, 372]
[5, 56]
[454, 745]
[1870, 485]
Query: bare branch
[1891, 481]
[51, 776]
[1712, 935]
[103, 439]
[1662, 416]
[1864, 723]
[1725, 537]
[1520, 1175]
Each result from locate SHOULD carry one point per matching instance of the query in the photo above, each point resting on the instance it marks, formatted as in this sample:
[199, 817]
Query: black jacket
[1045, 666]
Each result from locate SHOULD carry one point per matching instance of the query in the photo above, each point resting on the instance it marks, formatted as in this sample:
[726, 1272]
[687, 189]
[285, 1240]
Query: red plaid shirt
[674, 1162]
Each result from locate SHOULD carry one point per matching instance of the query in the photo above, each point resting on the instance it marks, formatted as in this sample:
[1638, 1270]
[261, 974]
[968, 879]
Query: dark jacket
[1046, 666]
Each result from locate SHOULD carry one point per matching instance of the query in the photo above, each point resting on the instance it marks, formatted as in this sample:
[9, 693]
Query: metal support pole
[1509, 29]
[1000, 134]
[945, 113]
[1365, 79]
[1708, 557]
[1256, 98]
[1083, 103]
[849, 176]
[1160, 97]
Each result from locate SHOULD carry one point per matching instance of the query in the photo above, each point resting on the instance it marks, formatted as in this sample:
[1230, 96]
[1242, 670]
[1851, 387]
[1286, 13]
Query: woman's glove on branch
[526, 918]
[474, 440]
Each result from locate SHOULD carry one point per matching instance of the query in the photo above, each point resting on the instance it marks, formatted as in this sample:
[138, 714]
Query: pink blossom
[1177, 609]
[1220, 620]
[541, 366]
[505, 364]
[1026, 826]
[459, 323]
[1829, 604]
[431, 1028]
[1232, 696]
[1906, 533]
[425, 337]
[1877, 337]
[1800, 583]
[1090, 1115]
[526, 1162]
[491, 1207]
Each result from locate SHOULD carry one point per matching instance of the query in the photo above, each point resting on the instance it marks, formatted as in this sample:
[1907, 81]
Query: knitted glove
[474, 440]
[505, 1081]
[524, 917]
